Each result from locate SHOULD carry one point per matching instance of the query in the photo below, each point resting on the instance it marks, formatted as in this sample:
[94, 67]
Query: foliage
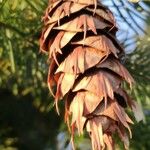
[138, 64]
[19, 45]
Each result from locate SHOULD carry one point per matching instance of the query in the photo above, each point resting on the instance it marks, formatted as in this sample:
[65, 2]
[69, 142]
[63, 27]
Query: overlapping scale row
[79, 37]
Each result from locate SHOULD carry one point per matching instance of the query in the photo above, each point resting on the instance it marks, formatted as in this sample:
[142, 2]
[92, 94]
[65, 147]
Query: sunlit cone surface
[85, 70]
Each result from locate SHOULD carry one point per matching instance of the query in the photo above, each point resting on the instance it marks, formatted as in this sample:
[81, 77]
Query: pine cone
[85, 67]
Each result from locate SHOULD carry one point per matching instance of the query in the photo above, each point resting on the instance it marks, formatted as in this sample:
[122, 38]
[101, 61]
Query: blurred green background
[28, 120]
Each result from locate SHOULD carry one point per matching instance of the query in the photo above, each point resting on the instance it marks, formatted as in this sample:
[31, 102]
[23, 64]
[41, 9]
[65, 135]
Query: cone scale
[85, 70]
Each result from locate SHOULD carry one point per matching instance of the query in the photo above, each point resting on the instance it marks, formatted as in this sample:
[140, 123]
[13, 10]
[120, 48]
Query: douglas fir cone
[85, 70]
